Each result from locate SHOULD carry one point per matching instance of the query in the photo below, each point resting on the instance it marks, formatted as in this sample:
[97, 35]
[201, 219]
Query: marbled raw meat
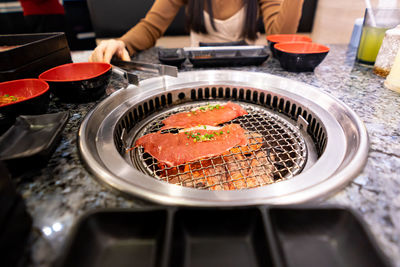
[175, 149]
[208, 115]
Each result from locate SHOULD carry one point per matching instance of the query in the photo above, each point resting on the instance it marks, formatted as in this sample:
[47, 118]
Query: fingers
[109, 52]
[98, 53]
[125, 55]
[107, 49]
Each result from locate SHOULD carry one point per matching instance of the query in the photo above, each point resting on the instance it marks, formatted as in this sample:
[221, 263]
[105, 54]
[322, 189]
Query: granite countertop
[57, 195]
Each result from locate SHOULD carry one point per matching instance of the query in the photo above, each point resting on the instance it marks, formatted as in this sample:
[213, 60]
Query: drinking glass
[376, 22]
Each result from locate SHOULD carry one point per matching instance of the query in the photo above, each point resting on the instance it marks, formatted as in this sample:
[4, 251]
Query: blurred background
[88, 21]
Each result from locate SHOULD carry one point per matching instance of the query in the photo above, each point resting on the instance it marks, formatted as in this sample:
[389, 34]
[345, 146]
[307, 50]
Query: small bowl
[171, 56]
[78, 82]
[300, 56]
[27, 97]
[285, 38]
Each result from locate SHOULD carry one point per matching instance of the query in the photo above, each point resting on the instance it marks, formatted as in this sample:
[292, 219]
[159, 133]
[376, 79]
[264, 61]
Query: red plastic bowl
[285, 38]
[78, 82]
[300, 56]
[27, 88]
[36, 101]
[302, 48]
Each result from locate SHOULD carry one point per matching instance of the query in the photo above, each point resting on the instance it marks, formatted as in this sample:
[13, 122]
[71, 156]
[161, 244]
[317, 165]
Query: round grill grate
[283, 112]
[276, 151]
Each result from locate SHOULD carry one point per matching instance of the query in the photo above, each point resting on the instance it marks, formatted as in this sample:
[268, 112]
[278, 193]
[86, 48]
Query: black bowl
[78, 82]
[284, 38]
[171, 56]
[300, 56]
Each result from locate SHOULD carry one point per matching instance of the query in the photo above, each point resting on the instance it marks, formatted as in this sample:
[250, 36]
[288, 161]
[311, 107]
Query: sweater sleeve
[281, 16]
[145, 34]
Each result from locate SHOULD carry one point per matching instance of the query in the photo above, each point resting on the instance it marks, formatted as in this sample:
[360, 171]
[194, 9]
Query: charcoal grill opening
[305, 149]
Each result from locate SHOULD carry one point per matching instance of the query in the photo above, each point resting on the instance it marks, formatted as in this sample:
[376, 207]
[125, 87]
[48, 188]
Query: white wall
[334, 20]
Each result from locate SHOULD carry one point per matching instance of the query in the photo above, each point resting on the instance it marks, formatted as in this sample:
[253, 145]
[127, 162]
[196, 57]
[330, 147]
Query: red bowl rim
[27, 98]
[283, 47]
[274, 38]
[75, 63]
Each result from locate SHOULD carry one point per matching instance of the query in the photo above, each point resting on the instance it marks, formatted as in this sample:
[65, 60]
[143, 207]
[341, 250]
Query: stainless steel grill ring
[330, 141]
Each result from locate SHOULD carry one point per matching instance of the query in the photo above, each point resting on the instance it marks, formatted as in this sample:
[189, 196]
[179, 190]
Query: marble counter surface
[57, 195]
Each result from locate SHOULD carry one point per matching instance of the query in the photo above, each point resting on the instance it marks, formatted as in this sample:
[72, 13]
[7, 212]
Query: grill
[306, 149]
[282, 153]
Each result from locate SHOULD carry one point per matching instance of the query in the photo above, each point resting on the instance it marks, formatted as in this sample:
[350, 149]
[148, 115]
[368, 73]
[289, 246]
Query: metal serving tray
[250, 236]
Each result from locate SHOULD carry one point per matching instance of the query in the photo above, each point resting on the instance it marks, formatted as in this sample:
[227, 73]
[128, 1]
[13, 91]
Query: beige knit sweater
[279, 16]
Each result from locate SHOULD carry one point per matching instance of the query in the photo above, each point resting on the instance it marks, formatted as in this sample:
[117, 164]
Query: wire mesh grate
[275, 151]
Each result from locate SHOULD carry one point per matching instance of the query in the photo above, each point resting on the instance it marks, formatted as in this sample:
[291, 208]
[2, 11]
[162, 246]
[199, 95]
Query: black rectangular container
[31, 141]
[14, 234]
[15, 222]
[214, 237]
[119, 238]
[323, 237]
[229, 56]
[32, 54]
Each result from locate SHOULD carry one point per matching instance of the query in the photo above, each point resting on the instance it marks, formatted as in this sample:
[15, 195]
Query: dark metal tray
[31, 140]
[252, 236]
[32, 54]
[227, 56]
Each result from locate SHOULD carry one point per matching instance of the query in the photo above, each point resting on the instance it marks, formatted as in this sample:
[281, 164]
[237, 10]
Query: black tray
[235, 43]
[227, 56]
[33, 54]
[31, 141]
[15, 222]
[8, 193]
[14, 234]
[323, 237]
[29, 47]
[36, 67]
[250, 236]
[171, 56]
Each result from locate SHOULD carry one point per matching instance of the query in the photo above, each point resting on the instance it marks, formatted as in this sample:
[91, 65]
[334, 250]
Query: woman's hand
[107, 49]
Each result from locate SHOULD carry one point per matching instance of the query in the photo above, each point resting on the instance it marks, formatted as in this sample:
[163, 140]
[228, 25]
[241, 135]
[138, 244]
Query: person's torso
[228, 30]
[225, 9]
[229, 21]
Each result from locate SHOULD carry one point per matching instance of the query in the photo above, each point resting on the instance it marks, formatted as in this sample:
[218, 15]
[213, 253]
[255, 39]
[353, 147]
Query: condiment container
[393, 79]
[387, 52]
[356, 33]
